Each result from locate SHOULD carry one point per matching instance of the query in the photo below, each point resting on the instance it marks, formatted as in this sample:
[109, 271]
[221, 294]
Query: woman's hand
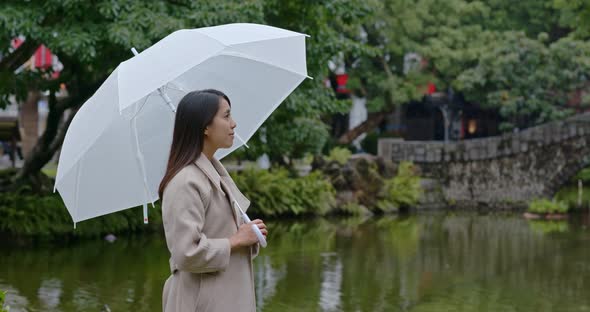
[246, 236]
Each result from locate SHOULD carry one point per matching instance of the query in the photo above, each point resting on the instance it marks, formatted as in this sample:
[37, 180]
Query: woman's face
[220, 133]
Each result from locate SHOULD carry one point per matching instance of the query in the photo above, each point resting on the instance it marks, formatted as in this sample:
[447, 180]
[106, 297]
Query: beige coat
[198, 220]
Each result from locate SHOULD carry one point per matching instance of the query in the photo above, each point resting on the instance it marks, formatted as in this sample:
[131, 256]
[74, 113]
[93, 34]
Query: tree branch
[14, 60]
[373, 120]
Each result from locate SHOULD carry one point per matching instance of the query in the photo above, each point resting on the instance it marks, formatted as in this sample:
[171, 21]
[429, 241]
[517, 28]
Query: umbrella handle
[255, 228]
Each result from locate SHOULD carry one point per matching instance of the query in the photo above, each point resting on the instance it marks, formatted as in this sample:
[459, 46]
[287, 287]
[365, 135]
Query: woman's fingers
[259, 223]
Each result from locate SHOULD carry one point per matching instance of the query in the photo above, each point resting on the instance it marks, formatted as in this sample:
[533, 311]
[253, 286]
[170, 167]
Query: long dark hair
[194, 113]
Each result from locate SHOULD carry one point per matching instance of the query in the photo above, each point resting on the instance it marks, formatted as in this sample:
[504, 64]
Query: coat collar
[217, 174]
[209, 169]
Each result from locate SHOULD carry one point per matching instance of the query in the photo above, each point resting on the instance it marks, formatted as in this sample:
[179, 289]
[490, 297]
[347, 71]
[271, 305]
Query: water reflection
[266, 279]
[331, 282]
[549, 226]
[431, 262]
[49, 293]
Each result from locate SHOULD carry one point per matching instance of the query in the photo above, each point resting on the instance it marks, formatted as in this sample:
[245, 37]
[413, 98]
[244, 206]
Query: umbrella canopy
[116, 149]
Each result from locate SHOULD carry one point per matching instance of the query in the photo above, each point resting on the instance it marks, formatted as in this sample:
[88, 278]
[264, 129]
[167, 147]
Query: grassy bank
[28, 217]
[274, 193]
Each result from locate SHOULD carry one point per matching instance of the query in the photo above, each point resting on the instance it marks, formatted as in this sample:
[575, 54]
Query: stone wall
[507, 170]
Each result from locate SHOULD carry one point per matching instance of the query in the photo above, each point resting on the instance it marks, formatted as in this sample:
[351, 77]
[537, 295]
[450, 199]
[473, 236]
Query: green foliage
[512, 56]
[340, 155]
[530, 16]
[543, 206]
[275, 193]
[300, 136]
[47, 217]
[583, 175]
[295, 128]
[402, 234]
[2, 298]
[403, 190]
[515, 57]
[575, 14]
[92, 37]
[353, 209]
[569, 195]
[528, 81]
[546, 226]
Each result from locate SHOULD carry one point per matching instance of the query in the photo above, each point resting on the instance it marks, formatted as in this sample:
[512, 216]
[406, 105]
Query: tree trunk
[373, 120]
[52, 138]
[29, 121]
[43, 151]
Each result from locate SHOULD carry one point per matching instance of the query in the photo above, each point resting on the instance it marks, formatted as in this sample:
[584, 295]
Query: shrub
[403, 190]
[2, 297]
[274, 193]
[545, 226]
[354, 209]
[46, 216]
[543, 206]
[340, 155]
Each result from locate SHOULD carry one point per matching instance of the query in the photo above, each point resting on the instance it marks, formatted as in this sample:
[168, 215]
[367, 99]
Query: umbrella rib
[173, 86]
[240, 138]
[140, 159]
[142, 104]
[79, 169]
[296, 34]
[212, 38]
[254, 59]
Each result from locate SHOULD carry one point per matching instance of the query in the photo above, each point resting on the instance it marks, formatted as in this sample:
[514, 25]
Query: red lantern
[341, 80]
[431, 88]
[43, 57]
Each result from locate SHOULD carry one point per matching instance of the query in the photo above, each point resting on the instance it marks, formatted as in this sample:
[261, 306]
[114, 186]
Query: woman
[210, 245]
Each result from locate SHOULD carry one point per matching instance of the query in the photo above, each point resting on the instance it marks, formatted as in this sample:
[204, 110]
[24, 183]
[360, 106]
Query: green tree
[529, 81]
[576, 15]
[441, 32]
[454, 38]
[92, 38]
[296, 128]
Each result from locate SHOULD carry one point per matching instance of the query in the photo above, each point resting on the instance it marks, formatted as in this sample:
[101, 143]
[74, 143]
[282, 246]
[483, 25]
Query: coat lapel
[221, 179]
[231, 186]
[207, 167]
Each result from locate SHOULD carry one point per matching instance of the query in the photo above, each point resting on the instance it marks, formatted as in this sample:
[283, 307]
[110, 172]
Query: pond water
[423, 262]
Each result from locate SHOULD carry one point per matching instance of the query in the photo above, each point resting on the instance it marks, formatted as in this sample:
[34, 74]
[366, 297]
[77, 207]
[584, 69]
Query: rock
[359, 181]
[110, 238]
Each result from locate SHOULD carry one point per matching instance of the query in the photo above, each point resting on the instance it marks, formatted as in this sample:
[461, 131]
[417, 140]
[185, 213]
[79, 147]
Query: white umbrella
[115, 151]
